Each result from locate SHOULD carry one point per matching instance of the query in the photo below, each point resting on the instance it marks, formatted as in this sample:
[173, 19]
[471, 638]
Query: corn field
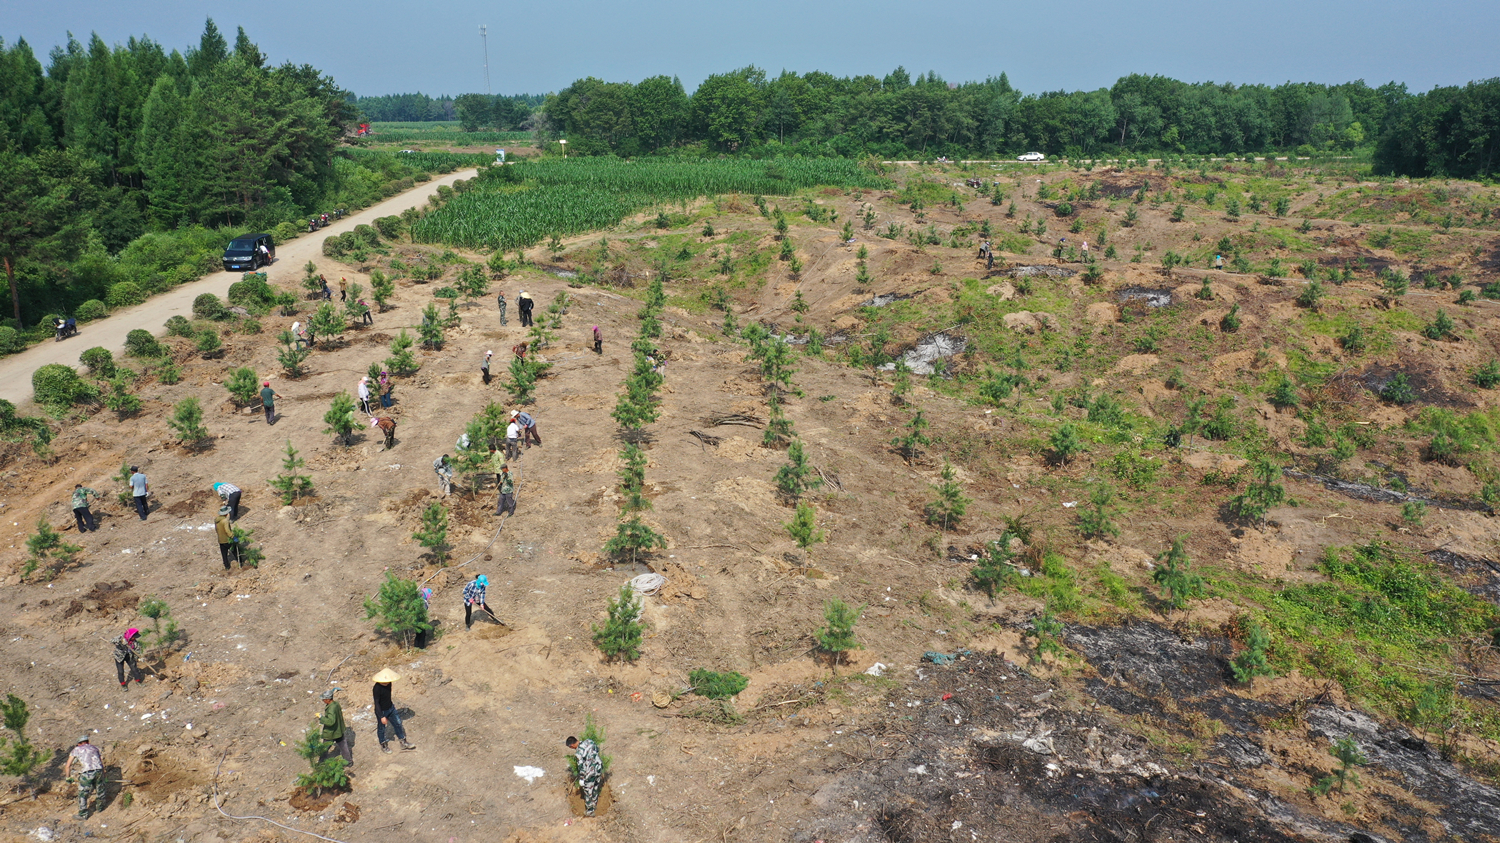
[522, 204]
[427, 162]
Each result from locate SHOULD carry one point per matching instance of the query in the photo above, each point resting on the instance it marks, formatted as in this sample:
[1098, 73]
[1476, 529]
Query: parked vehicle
[65, 328]
[1031, 156]
[249, 252]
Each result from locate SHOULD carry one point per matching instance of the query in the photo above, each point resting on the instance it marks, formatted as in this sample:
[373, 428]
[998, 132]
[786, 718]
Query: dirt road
[15, 371]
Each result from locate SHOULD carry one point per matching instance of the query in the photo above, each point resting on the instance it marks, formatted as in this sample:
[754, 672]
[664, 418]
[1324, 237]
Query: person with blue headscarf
[474, 596]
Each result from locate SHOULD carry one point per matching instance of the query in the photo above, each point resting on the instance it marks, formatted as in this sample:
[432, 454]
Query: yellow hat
[386, 675]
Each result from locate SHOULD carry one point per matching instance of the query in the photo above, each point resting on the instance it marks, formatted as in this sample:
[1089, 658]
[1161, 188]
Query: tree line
[1447, 131]
[107, 144]
[506, 113]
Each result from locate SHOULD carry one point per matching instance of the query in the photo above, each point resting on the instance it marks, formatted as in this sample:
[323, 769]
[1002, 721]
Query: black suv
[249, 252]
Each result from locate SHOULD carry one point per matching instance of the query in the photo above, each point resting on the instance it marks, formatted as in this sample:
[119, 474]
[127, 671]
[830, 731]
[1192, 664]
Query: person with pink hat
[126, 652]
[598, 340]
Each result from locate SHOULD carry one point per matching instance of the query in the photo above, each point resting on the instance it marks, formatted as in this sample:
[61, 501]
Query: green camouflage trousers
[88, 783]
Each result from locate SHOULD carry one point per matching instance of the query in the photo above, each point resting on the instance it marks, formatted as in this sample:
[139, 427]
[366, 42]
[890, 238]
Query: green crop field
[445, 132]
[520, 205]
[427, 162]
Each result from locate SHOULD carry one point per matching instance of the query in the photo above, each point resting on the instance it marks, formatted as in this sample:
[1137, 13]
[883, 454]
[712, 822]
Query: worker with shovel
[90, 774]
[474, 596]
[127, 652]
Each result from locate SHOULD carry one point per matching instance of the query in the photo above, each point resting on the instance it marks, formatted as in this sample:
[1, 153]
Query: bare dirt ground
[1136, 737]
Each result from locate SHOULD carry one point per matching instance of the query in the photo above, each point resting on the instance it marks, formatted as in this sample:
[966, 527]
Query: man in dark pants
[507, 502]
[598, 340]
[524, 304]
[126, 652]
[81, 512]
[500, 300]
[230, 495]
[484, 366]
[387, 426]
[386, 715]
[335, 732]
[90, 775]
[528, 428]
[474, 596]
[140, 488]
[268, 398]
[225, 533]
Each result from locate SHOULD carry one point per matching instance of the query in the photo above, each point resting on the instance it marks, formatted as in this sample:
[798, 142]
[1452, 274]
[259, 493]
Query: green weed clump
[717, 686]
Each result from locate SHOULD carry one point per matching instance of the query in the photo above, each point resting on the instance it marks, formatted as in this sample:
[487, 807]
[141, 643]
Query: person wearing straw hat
[386, 715]
[334, 731]
[484, 366]
[524, 304]
[127, 652]
[91, 770]
[225, 532]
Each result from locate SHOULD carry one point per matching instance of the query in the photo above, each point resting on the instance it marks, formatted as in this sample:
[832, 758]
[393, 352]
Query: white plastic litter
[876, 669]
[1070, 504]
[648, 585]
[43, 834]
[530, 774]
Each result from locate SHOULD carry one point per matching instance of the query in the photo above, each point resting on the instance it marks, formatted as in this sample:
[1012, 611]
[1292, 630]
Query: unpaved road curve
[15, 370]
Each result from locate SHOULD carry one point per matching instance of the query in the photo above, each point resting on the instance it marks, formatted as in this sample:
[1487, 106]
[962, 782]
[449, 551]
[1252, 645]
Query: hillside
[1083, 705]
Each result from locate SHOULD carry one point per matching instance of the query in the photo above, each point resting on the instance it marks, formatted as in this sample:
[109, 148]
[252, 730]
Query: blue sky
[379, 47]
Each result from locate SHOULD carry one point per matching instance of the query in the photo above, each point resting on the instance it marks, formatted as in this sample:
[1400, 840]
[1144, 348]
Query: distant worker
[81, 512]
[327, 293]
[520, 349]
[387, 426]
[474, 596]
[90, 775]
[1218, 262]
[386, 716]
[444, 470]
[268, 398]
[140, 490]
[513, 439]
[598, 340]
[127, 651]
[507, 501]
[484, 366]
[299, 335]
[343, 289]
[500, 300]
[386, 387]
[363, 391]
[364, 313]
[224, 529]
[524, 304]
[528, 428]
[590, 772]
[230, 495]
[334, 731]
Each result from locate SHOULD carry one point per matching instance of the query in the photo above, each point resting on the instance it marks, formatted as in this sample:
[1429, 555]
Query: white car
[1031, 156]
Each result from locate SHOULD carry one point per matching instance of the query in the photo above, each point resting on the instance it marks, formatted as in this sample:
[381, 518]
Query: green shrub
[10, 340]
[91, 310]
[1398, 390]
[124, 294]
[400, 607]
[252, 291]
[209, 342]
[56, 385]
[208, 306]
[243, 386]
[179, 326]
[187, 420]
[1251, 662]
[100, 360]
[1097, 520]
[717, 686]
[389, 227]
[1487, 376]
[332, 247]
[621, 635]
[140, 343]
[1172, 574]
[837, 637]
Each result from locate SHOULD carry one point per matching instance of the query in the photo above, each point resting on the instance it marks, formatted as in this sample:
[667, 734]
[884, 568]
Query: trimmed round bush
[178, 326]
[332, 247]
[124, 294]
[253, 290]
[285, 231]
[368, 235]
[91, 310]
[389, 227]
[57, 385]
[140, 343]
[208, 306]
[348, 242]
[10, 340]
[100, 360]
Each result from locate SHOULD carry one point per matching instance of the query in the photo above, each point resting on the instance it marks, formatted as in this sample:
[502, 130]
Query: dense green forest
[124, 170]
[503, 113]
[1448, 131]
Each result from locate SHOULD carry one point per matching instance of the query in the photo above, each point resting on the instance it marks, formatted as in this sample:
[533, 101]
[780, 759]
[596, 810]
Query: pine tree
[327, 774]
[243, 385]
[633, 537]
[340, 417]
[1097, 521]
[326, 321]
[382, 288]
[402, 361]
[803, 527]
[796, 477]
[951, 504]
[431, 328]
[915, 437]
[400, 607]
[48, 550]
[433, 534]
[837, 637]
[187, 420]
[291, 356]
[621, 635]
[1172, 574]
[17, 756]
[289, 484]
[633, 479]
[522, 380]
